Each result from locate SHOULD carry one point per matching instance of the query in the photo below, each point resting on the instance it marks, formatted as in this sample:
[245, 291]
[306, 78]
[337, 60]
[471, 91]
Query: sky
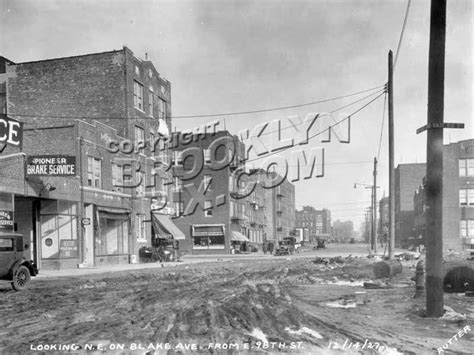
[237, 56]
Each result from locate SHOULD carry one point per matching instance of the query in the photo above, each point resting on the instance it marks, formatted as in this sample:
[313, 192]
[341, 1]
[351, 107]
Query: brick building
[106, 110]
[209, 198]
[407, 180]
[458, 199]
[318, 222]
[283, 204]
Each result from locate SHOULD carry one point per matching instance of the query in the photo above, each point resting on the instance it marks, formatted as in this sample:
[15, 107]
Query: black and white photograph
[236, 177]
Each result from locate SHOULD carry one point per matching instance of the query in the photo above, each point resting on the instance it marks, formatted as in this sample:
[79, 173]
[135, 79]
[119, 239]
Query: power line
[280, 108]
[381, 129]
[202, 116]
[333, 111]
[401, 34]
[321, 132]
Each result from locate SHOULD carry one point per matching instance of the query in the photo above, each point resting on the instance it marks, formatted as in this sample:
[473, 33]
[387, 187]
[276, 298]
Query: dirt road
[273, 305]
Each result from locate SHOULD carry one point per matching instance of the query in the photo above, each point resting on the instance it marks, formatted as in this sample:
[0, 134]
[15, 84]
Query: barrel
[387, 268]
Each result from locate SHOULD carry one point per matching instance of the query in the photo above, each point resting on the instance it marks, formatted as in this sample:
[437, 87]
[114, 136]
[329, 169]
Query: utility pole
[434, 161]
[391, 167]
[375, 206]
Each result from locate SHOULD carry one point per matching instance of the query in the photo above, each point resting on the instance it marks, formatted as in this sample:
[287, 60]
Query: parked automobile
[15, 264]
[286, 246]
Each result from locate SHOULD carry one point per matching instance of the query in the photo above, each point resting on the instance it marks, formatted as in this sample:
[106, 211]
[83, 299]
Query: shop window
[94, 172]
[138, 95]
[112, 235]
[58, 229]
[208, 236]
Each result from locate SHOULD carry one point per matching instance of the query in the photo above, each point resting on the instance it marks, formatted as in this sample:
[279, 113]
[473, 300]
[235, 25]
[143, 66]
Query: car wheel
[21, 279]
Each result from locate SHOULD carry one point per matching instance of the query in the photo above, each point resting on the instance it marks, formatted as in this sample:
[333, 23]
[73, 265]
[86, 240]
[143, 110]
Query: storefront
[58, 234]
[208, 237]
[166, 237]
[112, 237]
[239, 242]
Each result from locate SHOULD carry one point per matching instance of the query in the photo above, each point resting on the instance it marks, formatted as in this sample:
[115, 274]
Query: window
[178, 184]
[207, 155]
[140, 228]
[466, 197]
[161, 108]
[150, 102]
[208, 208]
[178, 208]
[466, 167]
[467, 228]
[140, 137]
[138, 95]
[141, 181]
[94, 172]
[207, 179]
[150, 73]
[178, 158]
[3, 104]
[6, 244]
[137, 70]
[117, 177]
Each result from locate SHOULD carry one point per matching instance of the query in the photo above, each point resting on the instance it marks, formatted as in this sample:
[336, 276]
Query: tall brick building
[407, 180]
[106, 110]
[458, 199]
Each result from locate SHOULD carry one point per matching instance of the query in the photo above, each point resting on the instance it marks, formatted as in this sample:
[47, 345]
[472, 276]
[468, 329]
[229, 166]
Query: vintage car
[286, 246]
[16, 267]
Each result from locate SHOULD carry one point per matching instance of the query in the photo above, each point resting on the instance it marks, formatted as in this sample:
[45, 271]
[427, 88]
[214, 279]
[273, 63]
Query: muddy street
[270, 305]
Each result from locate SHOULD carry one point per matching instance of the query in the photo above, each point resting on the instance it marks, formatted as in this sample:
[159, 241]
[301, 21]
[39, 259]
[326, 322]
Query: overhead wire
[204, 115]
[401, 34]
[381, 128]
[321, 132]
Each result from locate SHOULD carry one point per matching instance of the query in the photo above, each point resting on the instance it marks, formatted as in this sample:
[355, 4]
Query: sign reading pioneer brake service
[6, 221]
[50, 165]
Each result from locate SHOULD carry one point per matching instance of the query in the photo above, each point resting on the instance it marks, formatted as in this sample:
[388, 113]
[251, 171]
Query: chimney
[146, 56]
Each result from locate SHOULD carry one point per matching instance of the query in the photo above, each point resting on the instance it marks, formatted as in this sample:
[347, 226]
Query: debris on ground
[451, 315]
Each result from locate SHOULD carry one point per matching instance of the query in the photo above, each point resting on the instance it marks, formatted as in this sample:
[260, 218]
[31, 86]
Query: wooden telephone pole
[434, 161]
[391, 167]
[374, 194]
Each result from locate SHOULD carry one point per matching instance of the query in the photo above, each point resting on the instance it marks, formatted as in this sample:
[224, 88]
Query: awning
[163, 223]
[239, 237]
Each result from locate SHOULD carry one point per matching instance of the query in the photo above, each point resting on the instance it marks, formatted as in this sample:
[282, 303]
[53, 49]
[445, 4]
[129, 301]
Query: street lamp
[373, 239]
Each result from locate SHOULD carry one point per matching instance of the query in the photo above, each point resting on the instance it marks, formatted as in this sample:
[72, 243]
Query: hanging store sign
[11, 131]
[6, 221]
[50, 165]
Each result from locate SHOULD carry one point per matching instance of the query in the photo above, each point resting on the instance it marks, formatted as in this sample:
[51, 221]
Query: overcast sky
[233, 56]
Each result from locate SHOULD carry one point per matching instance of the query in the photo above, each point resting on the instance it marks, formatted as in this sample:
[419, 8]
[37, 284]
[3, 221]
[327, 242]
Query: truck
[16, 267]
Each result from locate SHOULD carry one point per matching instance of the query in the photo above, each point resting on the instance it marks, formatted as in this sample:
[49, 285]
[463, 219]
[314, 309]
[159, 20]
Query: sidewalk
[186, 259]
